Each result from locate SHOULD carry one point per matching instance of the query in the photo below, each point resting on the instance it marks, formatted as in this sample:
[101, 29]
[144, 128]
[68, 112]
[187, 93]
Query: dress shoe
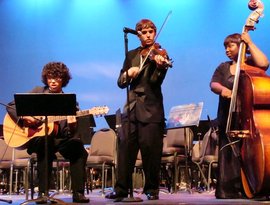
[79, 198]
[152, 196]
[41, 200]
[114, 195]
[229, 195]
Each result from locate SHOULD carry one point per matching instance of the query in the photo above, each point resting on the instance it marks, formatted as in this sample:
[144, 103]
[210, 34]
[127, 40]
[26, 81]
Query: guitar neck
[94, 111]
[59, 118]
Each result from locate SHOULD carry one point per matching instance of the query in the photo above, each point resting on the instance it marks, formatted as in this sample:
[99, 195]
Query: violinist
[229, 178]
[144, 70]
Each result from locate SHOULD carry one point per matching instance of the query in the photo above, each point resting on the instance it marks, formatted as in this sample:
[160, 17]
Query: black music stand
[85, 128]
[111, 121]
[200, 130]
[185, 116]
[45, 104]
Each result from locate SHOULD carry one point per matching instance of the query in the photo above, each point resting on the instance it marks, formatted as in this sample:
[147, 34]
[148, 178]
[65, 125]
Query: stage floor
[181, 198]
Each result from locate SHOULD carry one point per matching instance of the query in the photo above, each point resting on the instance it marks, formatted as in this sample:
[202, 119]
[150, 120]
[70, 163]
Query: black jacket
[145, 95]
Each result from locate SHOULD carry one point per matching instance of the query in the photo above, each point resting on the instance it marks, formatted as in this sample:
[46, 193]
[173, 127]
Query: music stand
[200, 130]
[185, 116]
[85, 131]
[111, 121]
[45, 104]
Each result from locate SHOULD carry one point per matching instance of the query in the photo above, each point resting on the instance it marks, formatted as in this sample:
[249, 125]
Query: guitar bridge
[239, 133]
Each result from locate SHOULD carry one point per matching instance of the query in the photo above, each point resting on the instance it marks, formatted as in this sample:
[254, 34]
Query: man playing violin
[143, 117]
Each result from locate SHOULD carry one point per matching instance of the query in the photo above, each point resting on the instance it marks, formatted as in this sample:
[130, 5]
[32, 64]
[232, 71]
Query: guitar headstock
[99, 110]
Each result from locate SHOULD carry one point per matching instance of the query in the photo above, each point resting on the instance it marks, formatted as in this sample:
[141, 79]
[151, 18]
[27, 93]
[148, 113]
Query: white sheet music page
[185, 115]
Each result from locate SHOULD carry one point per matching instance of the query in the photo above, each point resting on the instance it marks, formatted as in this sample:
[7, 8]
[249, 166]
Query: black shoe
[79, 198]
[41, 200]
[114, 195]
[152, 196]
[230, 196]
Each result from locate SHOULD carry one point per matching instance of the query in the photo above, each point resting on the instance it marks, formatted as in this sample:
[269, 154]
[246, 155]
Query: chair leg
[91, 179]
[26, 182]
[105, 178]
[209, 174]
[113, 176]
[102, 179]
[176, 173]
[11, 179]
[32, 178]
[202, 174]
[166, 174]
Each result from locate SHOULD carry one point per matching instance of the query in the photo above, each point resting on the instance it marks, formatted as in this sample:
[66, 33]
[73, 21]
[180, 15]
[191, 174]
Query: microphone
[129, 30]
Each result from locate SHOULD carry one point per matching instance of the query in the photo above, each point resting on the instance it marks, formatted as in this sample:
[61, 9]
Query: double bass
[251, 102]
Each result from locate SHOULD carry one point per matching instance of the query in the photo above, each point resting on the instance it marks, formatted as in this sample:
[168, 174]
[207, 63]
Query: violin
[151, 51]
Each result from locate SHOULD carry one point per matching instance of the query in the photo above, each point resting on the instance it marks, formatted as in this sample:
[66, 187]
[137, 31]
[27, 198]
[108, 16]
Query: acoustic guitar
[17, 136]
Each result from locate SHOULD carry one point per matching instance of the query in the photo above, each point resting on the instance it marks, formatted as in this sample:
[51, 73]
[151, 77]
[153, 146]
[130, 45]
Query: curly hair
[145, 23]
[56, 70]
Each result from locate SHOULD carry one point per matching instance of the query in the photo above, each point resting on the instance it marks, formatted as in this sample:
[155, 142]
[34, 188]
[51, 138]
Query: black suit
[64, 142]
[146, 123]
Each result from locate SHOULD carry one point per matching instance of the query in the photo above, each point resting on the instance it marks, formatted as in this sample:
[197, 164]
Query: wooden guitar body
[18, 137]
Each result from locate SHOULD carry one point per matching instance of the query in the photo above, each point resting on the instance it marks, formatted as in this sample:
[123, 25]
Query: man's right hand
[133, 72]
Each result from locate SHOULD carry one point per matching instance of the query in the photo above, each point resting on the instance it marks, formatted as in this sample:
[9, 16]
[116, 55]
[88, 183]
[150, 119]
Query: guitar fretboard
[97, 111]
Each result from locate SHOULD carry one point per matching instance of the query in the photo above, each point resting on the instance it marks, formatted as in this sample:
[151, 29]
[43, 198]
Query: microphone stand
[131, 198]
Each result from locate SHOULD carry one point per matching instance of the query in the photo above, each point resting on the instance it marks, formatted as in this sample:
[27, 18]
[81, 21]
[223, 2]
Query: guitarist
[55, 76]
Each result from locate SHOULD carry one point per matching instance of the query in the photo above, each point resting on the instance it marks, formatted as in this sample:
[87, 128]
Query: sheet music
[185, 115]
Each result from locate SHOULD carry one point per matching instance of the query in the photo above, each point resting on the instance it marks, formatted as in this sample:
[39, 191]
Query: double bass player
[229, 179]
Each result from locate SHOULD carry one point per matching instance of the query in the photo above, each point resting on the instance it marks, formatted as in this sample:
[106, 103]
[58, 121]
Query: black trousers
[71, 149]
[148, 137]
